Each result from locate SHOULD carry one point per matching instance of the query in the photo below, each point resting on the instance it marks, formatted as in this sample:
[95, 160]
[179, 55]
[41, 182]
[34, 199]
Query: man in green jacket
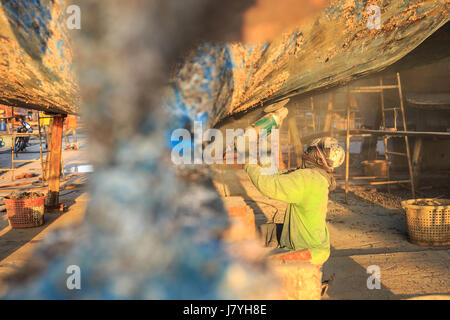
[304, 233]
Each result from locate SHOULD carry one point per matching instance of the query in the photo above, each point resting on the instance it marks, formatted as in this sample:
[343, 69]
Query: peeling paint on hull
[331, 49]
[36, 57]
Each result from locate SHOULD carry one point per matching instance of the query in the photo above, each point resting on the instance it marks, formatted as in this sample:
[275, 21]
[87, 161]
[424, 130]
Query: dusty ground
[369, 230]
[17, 245]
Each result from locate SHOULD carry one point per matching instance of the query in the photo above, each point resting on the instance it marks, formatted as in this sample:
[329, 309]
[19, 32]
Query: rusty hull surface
[330, 49]
[335, 48]
[326, 50]
[36, 57]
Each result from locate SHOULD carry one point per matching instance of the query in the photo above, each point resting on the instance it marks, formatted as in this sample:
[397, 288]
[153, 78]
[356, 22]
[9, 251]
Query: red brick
[299, 280]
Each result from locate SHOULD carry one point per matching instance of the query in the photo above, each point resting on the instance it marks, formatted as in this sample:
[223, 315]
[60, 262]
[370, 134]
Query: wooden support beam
[296, 141]
[46, 173]
[373, 140]
[54, 166]
[417, 160]
[385, 138]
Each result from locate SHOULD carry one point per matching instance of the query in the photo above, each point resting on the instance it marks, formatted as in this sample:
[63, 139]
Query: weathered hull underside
[36, 57]
[331, 49]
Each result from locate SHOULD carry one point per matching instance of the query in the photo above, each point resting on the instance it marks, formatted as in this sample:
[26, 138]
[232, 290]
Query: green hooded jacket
[306, 192]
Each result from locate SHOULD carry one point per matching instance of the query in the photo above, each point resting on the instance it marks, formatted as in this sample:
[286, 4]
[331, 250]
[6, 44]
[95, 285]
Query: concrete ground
[368, 231]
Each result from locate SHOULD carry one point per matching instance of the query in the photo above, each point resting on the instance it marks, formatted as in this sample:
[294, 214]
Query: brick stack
[299, 279]
[242, 225]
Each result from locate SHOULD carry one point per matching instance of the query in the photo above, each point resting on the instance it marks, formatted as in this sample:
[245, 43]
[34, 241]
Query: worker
[304, 235]
[71, 128]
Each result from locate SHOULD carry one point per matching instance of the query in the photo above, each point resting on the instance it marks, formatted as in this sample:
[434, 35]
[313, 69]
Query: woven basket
[27, 213]
[428, 225]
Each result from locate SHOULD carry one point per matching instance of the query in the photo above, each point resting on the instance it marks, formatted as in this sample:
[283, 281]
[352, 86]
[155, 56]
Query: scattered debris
[26, 176]
[427, 202]
[384, 199]
[24, 195]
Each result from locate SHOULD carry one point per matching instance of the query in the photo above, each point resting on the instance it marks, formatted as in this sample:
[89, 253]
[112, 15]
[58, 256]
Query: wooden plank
[55, 162]
[385, 139]
[408, 153]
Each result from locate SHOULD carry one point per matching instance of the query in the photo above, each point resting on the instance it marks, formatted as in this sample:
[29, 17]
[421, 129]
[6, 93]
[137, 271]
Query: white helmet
[329, 150]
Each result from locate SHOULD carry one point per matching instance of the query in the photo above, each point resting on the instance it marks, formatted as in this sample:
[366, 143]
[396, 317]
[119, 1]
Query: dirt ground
[17, 245]
[369, 230]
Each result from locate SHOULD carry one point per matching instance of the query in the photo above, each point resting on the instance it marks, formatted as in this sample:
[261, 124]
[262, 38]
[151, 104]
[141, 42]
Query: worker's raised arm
[286, 187]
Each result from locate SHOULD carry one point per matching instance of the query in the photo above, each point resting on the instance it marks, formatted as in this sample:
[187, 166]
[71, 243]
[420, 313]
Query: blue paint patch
[60, 46]
[335, 9]
[213, 80]
[360, 8]
[405, 4]
[30, 21]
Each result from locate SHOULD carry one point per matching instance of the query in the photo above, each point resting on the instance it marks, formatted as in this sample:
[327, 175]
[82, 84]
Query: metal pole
[383, 117]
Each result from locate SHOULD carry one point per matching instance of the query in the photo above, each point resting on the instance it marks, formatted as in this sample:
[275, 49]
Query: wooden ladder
[380, 89]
